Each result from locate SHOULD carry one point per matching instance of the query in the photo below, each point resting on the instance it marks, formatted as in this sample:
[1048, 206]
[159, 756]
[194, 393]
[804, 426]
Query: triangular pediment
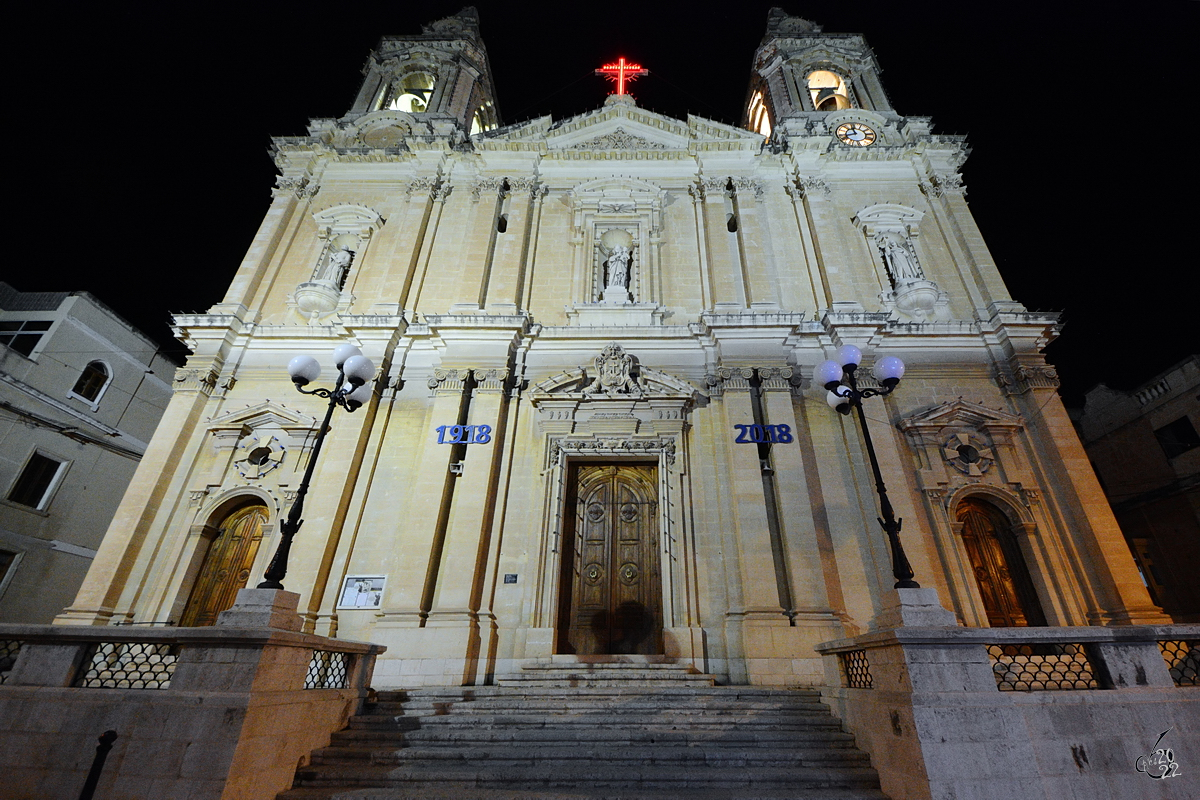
[620, 127]
[266, 414]
[575, 381]
[614, 374]
[961, 414]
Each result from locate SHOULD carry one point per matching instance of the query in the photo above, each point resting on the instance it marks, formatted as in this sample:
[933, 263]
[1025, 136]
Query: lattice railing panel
[8, 656]
[856, 669]
[1183, 660]
[1042, 667]
[328, 670]
[128, 665]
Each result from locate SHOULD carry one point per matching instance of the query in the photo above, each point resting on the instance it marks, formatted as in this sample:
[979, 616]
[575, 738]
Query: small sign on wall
[362, 592]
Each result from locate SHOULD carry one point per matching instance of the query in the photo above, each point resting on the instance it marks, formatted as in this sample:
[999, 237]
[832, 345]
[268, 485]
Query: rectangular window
[37, 481]
[1177, 437]
[23, 335]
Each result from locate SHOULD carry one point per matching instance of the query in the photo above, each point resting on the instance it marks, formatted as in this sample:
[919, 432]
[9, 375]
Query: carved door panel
[226, 566]
[613, 585]
[1009, 599]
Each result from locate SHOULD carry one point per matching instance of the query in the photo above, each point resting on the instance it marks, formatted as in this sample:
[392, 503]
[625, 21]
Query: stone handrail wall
[942, 717]
[239, 711]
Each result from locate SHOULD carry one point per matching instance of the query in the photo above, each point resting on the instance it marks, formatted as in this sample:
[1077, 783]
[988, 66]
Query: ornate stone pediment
[619, 139]
[960, 415]
[229, 429]
[611, 376]
[616, 396]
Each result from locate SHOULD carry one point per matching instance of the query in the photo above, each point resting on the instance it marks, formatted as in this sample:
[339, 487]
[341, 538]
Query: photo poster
[362, 591]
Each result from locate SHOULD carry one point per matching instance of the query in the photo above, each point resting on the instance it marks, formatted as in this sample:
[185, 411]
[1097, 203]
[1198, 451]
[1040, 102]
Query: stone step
[452, 791]
[661, 741]
[649, 722]
[588, 774]
[591, 706]
[624, 736]
[676, 693]
[611, 754]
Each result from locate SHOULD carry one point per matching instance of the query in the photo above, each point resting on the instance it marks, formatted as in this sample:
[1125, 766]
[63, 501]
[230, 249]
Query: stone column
[761, 621]
[285, 200]
[466, 638]
[502, 293]
[410, 588]
[115, 566]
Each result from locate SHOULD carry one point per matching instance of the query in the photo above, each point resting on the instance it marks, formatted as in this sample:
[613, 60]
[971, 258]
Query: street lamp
[842, 397]
[352, 389]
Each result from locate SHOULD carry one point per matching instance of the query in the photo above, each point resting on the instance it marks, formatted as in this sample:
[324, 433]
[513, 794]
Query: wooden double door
[611, 585]
[1009, 598]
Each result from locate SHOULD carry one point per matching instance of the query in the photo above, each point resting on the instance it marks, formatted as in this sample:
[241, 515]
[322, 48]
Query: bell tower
[440, 76]
[798, 70]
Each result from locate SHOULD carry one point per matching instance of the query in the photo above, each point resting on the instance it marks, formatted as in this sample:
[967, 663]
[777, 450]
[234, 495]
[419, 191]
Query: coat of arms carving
[615, 374]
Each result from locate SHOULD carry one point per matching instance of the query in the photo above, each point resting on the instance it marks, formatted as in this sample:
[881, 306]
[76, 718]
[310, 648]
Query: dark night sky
[138, 136]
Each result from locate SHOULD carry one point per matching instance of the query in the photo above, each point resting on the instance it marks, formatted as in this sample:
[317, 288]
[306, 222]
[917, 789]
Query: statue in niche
[618, 268]
[616, 247]
[899, 256]
[336, 266]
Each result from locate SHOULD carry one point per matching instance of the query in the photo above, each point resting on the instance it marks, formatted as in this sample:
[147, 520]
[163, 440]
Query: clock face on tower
[855, 134]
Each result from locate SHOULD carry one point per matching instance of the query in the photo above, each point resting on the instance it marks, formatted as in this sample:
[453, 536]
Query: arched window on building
[92, 382]
[226, 566]
[829, 91]
[410, 93]
[484, 119]
[1009, 597]
[757, 117]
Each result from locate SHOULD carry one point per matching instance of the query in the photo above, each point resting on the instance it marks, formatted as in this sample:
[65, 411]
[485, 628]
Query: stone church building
[594, 428]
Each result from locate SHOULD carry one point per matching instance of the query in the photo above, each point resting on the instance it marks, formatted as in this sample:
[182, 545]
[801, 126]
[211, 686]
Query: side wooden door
[226, 566]
[1009, 599]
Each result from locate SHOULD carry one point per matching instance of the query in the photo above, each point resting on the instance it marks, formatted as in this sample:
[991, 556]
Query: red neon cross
[621, 72]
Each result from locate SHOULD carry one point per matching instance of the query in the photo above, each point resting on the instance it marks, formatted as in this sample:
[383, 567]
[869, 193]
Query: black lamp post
[352, 389]
[843, 396]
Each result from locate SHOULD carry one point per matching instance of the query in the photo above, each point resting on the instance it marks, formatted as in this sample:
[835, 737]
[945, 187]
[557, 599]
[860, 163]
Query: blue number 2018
[755, 434]
[464, 434]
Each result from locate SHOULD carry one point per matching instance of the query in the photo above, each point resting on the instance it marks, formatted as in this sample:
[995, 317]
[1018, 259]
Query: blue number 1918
[464, 434]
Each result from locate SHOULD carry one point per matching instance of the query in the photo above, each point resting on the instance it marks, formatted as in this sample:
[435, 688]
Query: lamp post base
[913, 608]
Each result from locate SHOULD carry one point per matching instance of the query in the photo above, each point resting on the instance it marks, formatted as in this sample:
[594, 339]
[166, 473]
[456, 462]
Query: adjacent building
[81, 392]
[594, 428]
[1146, 451]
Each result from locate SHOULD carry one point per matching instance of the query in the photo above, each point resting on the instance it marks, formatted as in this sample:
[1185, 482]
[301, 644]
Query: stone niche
[344, 232]
[892, 231]
[617, 221]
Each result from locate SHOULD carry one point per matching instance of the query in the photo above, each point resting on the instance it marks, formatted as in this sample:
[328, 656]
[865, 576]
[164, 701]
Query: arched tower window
[1009, 598]
[226, 566]
[409, 93]
[484, 119]
[828, 90]
[92, 382]
[758, 119]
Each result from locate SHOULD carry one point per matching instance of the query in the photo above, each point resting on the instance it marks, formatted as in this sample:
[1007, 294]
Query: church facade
[594, 429]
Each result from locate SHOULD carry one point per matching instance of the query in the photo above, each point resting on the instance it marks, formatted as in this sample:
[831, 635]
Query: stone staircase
[566, 729]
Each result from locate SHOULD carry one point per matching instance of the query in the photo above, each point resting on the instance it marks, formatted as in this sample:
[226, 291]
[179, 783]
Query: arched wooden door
[612, 588]
[1009, 599]
[226, 566]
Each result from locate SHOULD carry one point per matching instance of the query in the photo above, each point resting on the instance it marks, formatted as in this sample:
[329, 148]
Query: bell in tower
[441, 76]
[798, 69]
